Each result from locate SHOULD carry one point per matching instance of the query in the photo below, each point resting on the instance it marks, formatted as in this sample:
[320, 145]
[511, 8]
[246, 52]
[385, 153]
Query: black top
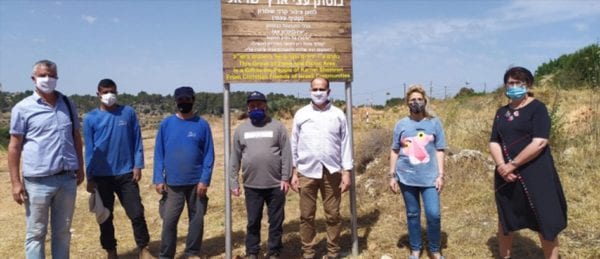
[536, 199]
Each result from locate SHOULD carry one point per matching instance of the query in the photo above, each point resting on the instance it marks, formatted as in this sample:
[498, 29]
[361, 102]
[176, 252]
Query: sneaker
[252, 256]
[111, 254]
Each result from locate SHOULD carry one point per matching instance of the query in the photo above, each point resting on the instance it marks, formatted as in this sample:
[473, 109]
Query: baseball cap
[256, 96]
[184, 92]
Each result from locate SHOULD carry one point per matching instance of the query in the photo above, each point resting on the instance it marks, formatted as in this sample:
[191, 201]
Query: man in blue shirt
[114, 156]
[44, 134]
[183, 163]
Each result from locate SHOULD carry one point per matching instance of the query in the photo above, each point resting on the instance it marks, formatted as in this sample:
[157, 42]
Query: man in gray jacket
[261, 146]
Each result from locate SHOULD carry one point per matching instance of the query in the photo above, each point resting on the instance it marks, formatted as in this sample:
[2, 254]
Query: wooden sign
[286, 40]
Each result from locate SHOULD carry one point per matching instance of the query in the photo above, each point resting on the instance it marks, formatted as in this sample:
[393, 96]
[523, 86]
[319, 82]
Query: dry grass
[468, 209]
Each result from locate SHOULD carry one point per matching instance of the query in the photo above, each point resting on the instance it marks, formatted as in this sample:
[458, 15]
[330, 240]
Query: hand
[346, 182]
[201, 189]
[236, 192]
[295, 182]
[160, 188]
[19, 193]
[510, 177]
[394, 187]
[506, 171]
[80, 176]
[439, 183]
[90, 186]
[137, 175]
[284, 186]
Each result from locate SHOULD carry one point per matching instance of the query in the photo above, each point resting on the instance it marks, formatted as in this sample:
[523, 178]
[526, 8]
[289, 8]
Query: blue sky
[156, 46]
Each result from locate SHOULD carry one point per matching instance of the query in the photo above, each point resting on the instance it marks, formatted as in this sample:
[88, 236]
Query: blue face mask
[516, 92]
[257, 116]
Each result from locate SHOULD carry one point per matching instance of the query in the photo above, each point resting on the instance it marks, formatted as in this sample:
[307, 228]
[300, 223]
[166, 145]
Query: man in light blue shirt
[114, 156]
[44, 133]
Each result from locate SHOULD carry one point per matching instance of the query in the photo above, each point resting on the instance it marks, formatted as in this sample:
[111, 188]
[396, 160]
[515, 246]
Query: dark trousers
[129, 195]
[171, 206]
[255, 200]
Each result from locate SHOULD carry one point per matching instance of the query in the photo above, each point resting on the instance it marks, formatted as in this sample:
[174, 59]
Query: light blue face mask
[516, 92]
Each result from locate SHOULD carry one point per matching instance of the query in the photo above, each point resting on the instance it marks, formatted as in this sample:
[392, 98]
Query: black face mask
[416, 107]
[185, 107]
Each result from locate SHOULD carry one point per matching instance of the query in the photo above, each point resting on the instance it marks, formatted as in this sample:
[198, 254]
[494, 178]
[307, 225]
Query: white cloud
[581, 26]
[517, 14]
[89, 19]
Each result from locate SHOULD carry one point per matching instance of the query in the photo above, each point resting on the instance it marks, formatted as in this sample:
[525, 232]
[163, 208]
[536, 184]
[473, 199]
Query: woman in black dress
[527, 188]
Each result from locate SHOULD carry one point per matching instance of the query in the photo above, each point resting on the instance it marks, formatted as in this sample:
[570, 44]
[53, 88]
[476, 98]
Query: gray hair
[46, 63]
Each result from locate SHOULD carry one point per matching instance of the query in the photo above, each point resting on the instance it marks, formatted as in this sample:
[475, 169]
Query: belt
[63, 172]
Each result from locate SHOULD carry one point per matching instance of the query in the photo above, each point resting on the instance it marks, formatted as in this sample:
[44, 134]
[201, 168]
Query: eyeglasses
[318, 89]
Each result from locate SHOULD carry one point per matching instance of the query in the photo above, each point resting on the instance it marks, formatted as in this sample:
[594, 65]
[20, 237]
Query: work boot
[144, 253]
[112, 254]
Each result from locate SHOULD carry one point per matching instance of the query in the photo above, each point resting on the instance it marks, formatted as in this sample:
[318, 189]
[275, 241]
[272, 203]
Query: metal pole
[226, 144]
[352, 175]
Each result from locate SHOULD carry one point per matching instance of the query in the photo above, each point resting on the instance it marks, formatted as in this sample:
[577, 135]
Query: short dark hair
[106, 83]
[519, 73]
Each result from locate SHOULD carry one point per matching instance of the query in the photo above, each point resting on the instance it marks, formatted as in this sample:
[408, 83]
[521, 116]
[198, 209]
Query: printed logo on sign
[258, 134]
[191, 134]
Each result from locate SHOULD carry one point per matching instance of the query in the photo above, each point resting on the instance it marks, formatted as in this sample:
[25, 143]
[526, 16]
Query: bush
[4, 138]
[375, 143]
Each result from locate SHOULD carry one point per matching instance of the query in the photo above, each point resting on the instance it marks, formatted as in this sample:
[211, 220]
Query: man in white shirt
[322, 161]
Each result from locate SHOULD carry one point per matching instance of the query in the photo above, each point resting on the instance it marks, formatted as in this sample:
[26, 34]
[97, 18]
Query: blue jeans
[431, 201]
[52, 196]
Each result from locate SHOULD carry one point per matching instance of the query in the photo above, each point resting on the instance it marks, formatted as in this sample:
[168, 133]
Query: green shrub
[4, 138]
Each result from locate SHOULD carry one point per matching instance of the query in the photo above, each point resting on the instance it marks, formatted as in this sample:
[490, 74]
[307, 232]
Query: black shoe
[252, 256]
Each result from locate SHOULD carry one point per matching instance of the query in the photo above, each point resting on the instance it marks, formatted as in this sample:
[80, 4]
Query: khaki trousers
[331, 195]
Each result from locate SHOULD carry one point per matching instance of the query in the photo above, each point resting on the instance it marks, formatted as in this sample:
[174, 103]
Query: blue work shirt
[113, 142]
[418, 143]
[184, 152]
[48, 146]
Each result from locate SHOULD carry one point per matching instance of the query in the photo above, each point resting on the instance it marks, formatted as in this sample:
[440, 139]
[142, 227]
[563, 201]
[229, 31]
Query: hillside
[468, 209]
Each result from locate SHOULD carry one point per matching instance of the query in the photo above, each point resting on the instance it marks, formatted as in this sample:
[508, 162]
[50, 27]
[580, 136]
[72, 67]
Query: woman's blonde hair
[417, 88]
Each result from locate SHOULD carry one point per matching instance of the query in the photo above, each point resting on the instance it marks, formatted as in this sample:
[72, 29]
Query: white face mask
[319, 97]
[108, 99]
[45, 84]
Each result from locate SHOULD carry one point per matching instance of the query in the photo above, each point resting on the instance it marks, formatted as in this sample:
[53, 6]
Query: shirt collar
[327, 107]
[38, 98]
